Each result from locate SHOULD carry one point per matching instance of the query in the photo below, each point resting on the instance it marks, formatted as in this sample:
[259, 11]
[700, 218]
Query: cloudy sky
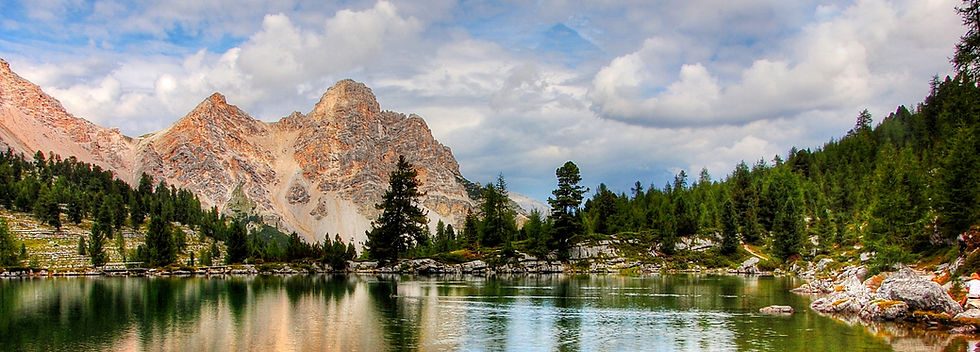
[629, 90]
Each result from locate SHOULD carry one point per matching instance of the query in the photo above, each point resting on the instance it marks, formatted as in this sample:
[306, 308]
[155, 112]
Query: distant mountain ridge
[317, 173]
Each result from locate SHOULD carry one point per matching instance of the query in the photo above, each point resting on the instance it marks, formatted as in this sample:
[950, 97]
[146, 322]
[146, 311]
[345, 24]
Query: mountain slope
[318, 173]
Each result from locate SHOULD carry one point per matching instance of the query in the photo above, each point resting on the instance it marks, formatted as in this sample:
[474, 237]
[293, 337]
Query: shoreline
[905, 297]
[419, 267]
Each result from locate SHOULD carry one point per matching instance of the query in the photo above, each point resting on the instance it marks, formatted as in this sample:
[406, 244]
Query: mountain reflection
[396, 313]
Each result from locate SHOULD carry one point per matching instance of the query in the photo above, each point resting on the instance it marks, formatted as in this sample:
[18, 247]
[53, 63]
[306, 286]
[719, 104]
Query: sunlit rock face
[318, 173]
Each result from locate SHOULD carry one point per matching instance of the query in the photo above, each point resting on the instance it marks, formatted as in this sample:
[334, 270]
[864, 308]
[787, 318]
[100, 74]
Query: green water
[373, 313]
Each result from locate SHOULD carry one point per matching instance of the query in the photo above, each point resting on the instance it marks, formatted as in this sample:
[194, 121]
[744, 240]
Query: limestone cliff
[317, 173]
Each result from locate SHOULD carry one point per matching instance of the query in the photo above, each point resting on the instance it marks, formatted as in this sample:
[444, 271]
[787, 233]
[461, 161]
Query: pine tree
[401, 220]
[101, 231]
[8, 248]
[746, 202]
[967, 56]
[237, 242]
[729, 229]
[47, 209]
[565, 208]
[499, 224]
[160, 242]
[788, 230]
[959, 184]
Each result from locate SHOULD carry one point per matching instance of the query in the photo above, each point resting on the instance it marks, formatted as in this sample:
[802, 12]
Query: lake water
[468, 313]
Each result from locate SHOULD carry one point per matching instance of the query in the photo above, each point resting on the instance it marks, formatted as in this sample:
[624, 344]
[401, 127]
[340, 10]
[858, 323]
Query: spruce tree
[237, 242]
[160, 242]
[499, 224]
[788, 230]
[565, 208]
[401, 221]
[959, 184]
[729, 228]
[8, 248]
[746, 202]
[101, 231]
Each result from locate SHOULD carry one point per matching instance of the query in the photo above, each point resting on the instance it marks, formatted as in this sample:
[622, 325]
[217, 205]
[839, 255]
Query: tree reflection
[400, 325]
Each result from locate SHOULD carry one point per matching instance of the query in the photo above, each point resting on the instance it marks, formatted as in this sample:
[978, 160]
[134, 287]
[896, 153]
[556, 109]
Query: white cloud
[678, 84]
[832, 63]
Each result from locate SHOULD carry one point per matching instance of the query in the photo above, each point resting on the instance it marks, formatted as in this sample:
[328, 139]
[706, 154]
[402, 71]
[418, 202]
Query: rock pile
[883, 297]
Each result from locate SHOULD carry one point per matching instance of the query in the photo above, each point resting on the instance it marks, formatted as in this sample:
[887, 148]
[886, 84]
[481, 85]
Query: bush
[887, 256]
[455, 257]
[769, 264]
[970, 265]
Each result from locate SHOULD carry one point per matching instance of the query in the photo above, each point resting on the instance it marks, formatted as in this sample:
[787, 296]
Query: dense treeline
[905, 188]
[56, 190]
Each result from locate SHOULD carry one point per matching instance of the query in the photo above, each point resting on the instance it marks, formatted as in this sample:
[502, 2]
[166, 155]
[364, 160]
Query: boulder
[776, 310]
[882, 310]
[476, 265]
[971, 313]
[918, 293]
[839, 303]
[749, 266]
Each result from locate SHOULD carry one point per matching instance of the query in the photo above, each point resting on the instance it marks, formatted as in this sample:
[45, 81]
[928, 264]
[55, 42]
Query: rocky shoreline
[597, 258]
[902, 296]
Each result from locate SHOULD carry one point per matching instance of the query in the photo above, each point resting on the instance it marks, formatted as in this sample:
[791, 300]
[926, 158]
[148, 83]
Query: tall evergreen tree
[959, 184]
[47, 209]
[101, 231]
[967, 56]
[788, 230]
[499, 224]
[160, 242]
[746, 202]
[8, 247]
[237, 242]
[729, 229]
[565, 208]
[401, 221]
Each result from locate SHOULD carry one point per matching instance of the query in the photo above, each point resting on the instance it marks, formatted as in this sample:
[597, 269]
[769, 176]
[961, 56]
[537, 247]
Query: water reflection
[373, 313]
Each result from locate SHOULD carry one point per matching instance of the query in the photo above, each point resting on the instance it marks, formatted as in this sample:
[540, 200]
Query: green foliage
[46, 207]
[401, 221]
[498, 226]
[887, 256]
[788, 233]
[958, 183]
[101, 231]
[237, 242]
[970, 265]
[161, 249]
[967, 56]
[8, 247]
[729, 229]
[565, 208]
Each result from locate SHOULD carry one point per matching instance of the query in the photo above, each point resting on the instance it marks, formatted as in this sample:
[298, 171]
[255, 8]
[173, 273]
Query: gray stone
[972, 313]
[919, 293]
[882, 310]
[776, 310]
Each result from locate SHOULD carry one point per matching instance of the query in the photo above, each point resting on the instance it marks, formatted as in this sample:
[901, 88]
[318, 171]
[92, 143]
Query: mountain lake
[440, 313]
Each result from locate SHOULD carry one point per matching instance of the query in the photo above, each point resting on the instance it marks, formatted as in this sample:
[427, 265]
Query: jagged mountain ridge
[317, 173]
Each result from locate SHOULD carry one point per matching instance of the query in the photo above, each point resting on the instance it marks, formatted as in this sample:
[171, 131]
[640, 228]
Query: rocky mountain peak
[4, 66]
[215, 114]
[346, 98]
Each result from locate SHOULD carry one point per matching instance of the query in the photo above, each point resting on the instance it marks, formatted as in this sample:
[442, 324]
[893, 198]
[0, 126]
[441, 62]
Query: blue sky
[629, 90]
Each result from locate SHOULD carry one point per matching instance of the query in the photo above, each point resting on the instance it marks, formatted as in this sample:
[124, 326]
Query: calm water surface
[376, 313]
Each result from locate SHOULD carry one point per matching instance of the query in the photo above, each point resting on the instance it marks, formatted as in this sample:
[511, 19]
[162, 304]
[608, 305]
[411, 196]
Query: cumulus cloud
[834, 62]
[649, 88]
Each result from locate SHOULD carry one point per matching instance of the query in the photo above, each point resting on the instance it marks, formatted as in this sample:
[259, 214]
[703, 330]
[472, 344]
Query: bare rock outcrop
[318, 173]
